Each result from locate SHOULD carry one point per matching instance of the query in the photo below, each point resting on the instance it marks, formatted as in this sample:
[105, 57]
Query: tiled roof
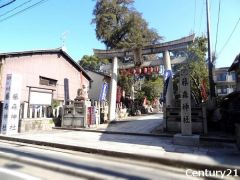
[47, 51]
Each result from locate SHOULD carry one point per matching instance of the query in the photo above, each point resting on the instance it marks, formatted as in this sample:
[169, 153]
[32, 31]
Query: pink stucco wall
[53, 66]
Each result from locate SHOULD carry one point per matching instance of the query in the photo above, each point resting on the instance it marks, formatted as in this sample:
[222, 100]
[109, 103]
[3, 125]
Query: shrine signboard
[186, 121]
[11, 106]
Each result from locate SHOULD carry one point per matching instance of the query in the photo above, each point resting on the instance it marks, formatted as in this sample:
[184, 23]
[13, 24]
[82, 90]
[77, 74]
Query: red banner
[119, 94]
[203, 90]
[89, 117]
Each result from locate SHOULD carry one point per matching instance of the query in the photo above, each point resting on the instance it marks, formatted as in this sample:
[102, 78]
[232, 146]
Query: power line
[27, 8]
[15, 8]
[229, 37]
[7, 4]
[219, 9]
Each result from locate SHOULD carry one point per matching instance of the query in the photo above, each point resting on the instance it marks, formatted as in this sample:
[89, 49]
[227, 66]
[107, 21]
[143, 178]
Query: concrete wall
[53, 66]
[30, 125]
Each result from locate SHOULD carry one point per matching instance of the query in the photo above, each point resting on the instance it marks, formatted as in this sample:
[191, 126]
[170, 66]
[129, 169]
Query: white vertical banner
[186, 121]
[11, 106]
[104, 91]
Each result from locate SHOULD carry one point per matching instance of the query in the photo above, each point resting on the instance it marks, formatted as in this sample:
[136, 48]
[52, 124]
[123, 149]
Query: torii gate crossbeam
[180, 44]
[165, 48]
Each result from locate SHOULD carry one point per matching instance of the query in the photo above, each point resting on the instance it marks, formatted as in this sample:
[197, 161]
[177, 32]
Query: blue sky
[42, 26]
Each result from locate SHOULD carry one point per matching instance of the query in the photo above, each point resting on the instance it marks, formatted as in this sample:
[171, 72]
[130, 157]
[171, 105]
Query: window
[233, 76]
[222, 77]
[224, 90]
[234, 87]
[47, 81]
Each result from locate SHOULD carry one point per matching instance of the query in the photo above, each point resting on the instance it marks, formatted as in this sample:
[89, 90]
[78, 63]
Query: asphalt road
[23, 161]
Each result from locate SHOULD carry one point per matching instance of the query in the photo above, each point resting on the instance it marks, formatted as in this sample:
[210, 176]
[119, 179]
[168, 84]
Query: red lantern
[133, 71]
[129, 72]
[156, 69]
[139, 70]
[150, 70]
[145, 70]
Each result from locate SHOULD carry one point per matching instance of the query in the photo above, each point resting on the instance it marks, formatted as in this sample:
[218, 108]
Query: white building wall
[96, 85]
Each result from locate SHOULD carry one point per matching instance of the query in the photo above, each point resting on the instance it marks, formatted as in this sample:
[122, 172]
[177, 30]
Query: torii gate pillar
[167, 66]
[113, 90]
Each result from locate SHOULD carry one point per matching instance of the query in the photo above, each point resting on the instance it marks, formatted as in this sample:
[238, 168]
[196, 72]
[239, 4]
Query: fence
[38, 111]
[37, 117]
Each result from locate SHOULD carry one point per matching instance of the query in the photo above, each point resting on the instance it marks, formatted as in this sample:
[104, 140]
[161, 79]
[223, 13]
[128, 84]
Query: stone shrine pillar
[168, 73]
[11, 106]
[186, 137]
[113, 90]
[185, 94]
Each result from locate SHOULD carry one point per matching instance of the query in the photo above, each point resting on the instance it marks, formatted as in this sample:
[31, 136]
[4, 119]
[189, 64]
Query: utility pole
[210, 64]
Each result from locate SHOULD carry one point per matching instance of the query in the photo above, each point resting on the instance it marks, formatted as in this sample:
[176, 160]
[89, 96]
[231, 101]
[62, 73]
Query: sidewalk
[209, 155]
[144, 125]
[132, 125]
[140, 124]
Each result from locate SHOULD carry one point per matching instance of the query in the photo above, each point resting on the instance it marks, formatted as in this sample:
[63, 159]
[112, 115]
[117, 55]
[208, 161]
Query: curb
[202, 138]
[161, 160]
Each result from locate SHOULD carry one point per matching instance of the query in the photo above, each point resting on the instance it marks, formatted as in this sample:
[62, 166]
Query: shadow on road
[69, 163]
[218, 151]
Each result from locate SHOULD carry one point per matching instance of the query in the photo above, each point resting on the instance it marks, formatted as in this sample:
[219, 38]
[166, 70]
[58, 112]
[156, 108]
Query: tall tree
[125, 82]
[197, 64]
[118, 25]
[92, 62]
[152, 88]
[196, 57]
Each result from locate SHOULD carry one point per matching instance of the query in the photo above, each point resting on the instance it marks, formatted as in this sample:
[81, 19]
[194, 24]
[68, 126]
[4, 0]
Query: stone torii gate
[179, 45]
